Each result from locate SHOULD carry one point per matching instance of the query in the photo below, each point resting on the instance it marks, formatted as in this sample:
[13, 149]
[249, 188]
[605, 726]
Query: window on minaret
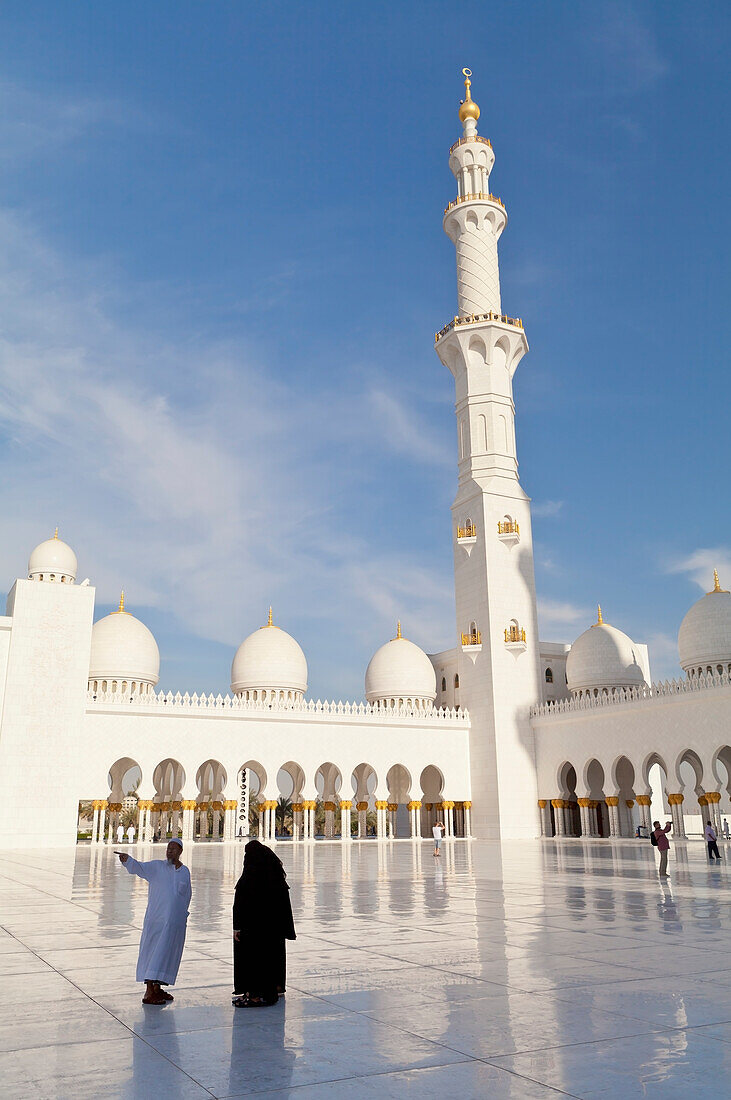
[456, 680]
[444, 683]
[549, 675]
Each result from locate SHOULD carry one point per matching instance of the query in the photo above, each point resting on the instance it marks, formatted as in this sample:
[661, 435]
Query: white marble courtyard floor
[527, 970]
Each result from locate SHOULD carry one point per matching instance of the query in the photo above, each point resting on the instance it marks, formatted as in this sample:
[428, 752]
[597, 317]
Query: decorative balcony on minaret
[467, 536]
[508, 531]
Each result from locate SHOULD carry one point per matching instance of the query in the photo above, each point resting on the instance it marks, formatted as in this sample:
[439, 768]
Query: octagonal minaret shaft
[475, 219]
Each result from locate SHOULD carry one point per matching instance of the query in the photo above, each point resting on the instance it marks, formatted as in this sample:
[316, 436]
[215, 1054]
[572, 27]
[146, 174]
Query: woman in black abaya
[262, 920]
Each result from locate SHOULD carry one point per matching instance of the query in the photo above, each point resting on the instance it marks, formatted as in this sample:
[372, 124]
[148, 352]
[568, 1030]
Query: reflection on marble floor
[521, 970]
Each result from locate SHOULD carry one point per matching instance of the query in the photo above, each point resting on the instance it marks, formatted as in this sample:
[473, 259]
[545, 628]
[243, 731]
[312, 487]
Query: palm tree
[283, 816]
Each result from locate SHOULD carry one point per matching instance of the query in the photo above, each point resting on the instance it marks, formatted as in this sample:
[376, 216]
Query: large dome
[53, 560]
[400, 674]
[269, 664]
[704, 638]
[603, 657]
[123, 651]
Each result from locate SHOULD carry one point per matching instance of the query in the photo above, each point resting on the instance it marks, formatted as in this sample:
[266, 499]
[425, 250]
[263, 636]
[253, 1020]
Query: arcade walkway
[540, 969]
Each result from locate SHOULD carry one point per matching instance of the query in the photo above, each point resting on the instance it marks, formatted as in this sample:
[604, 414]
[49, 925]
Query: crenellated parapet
[632, 696]
[231, 704]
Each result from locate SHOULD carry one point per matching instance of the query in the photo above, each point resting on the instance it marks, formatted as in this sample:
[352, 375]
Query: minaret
[497, 628]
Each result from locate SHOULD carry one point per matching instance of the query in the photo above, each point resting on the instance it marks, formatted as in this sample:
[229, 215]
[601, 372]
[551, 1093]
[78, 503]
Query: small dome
[704, 638]
[53, 560]
[400, 671]
[603, 657]
[123, 649]
[269, 663]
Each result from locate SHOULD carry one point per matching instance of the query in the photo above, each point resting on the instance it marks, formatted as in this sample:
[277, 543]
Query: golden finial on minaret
[398, 629]
[716, 585]
[121, 600]
[55, 533]
[599, 619]
[468, 107]
[270, 621]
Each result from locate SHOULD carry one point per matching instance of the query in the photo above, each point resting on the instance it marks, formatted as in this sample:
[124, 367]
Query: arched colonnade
[332, 804]
[595, 800]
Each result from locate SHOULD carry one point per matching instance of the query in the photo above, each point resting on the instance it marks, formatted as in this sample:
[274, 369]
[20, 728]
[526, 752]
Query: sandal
[159, 1001]
[251, 1002]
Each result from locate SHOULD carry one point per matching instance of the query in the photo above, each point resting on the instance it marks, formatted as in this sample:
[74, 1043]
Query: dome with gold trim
[603, 658]
[401, 675]
[124, 654]
[53, 560]
[704, 638]
[269, 666]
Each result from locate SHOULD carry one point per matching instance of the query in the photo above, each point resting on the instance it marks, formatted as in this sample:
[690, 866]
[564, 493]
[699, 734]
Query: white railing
[623, 696]
[169, 701]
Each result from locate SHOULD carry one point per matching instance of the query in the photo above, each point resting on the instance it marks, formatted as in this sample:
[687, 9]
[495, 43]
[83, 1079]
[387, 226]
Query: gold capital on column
[329, 806]
[392, 806]
[361, 806]
[675, 799]
[713, 796]
[467, 805]
[643, 800]
[381, 805]
[612, 800]
[629, 802]
[702, 800]
[345, 805]
[542, 802]
[585, 802]
[297, 807]
[414, 805]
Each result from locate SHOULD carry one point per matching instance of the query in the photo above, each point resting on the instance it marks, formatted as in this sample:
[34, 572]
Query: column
[704, 810]
[362, 808]
[176, 807]
[585, 812]
[189, 808]
[260, 830]
[629, 803]
[329, 820]
[714, 809]
[381, 808]
[449, 818]
[545, 817]
[676, 812]
[643, 801]
[273, 820]
[612, 803]
[297, 827]
[414, 815]
[230, 807]
[95, 822]
[468, 819]
[558, 816]
[217, 808]
[392, 811]
[345, 808]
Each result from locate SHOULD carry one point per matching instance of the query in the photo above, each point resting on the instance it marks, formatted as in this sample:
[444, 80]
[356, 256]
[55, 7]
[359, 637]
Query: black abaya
[263, 914]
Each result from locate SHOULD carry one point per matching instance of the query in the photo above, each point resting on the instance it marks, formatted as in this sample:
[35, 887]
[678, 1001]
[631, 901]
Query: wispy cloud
[557, 614]
[700, 564]
[546, 508]
[629, 47]
[405, 431]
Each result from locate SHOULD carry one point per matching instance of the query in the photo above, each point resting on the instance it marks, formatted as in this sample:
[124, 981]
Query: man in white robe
[163, 932]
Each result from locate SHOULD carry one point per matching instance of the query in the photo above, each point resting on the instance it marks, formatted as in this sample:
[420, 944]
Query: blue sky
[222, 266]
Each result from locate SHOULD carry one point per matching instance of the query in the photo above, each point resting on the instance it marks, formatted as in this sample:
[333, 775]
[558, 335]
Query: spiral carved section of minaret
[478, 275]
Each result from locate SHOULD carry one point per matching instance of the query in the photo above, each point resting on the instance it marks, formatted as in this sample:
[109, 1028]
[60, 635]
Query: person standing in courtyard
[438, 833]
[662, 844]
[120, 834]
[725, 829]
[166, 919]
[262, 922]
[130, 834]
[712, 842]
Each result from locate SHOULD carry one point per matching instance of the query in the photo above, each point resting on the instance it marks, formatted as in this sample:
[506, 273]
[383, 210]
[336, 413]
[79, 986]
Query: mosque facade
[502, 736]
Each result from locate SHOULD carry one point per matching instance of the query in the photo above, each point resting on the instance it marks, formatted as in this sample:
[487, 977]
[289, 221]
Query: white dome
[603, 657]
[704, 638]
[53, 560]
[400, 671]
[123, 649]
[270, 661]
